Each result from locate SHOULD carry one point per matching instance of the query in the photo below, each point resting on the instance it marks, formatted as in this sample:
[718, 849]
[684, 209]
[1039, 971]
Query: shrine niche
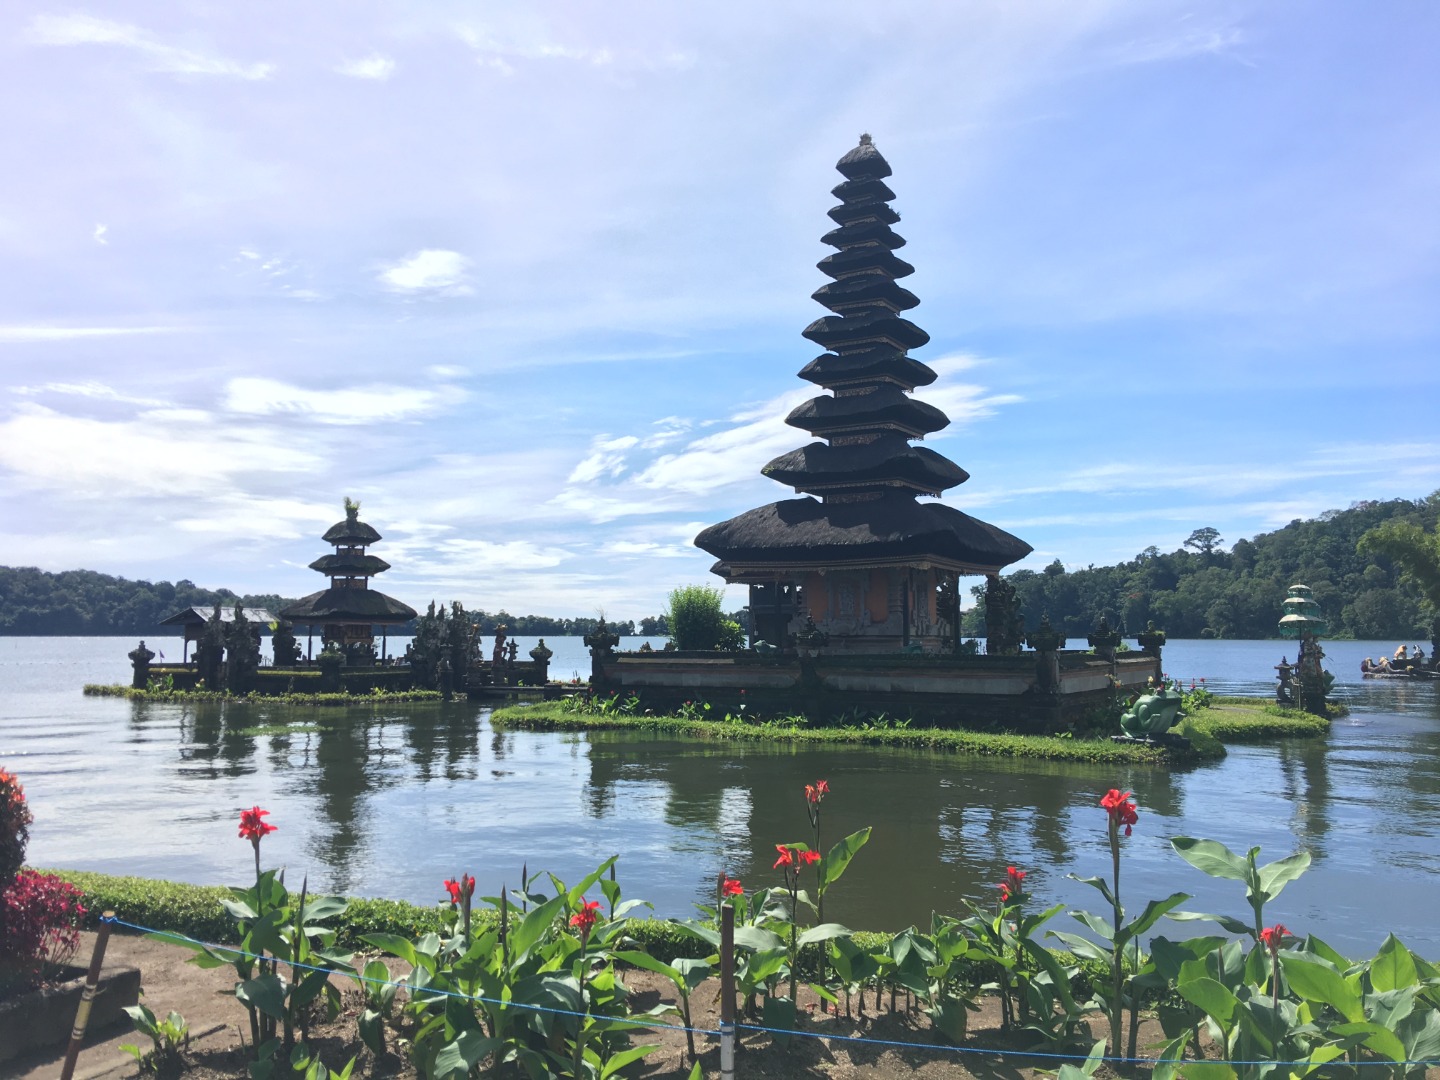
[860, 553]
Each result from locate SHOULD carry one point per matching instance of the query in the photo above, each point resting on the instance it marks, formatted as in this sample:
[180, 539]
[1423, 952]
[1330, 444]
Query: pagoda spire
[869, 418]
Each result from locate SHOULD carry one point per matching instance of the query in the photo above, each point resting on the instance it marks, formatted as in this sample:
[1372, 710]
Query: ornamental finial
[865, 139]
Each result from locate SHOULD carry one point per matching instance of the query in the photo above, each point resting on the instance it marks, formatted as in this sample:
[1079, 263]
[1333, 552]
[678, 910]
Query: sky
[528, 280]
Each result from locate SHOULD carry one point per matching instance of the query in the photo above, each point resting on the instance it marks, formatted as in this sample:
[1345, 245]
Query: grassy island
[374, 697]
[1208, 729]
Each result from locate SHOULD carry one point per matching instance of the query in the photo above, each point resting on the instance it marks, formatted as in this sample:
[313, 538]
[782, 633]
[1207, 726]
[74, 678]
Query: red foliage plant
[40, 927]
[14, 828]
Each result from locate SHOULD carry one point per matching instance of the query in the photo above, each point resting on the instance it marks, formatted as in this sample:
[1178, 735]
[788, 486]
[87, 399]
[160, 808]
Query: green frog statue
[1154, 713]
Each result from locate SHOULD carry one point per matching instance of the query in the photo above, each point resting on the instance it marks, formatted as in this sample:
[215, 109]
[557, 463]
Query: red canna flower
[453, 888]
[731, 887]
[787, 857]
[251, 827]
[1012, 888]
[808, 857]
[1274, 937]
[584, 919]
[1121, 809]
[817, 791]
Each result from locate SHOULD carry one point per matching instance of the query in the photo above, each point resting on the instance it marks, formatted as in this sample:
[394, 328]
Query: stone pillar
[1151, 642]
[541, 655]
[140, 661]
[601, 643]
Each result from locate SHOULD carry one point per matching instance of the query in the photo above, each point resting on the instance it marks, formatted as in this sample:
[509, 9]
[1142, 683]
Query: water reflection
[387, 801]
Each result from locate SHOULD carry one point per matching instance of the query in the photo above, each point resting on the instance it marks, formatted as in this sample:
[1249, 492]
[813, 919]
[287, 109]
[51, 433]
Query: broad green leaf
[1059, 977]
[578, 892]
[393, 944]
[1211, 997]
[840, 855]
[1171, 1054]
[1226, 922]
[1315, 980]
[1313, 944]
[1208, 1070]
[1373, 1037]
[823, 932]
[707, 934]
[534, 926]
[648, 963]
[1092, 1062]
[1390, 1008]
[754, 937]
[1211, 857]
[1276, 875]
[694, 972]
[1149, 917]
[779, 1014]
[320, 908]
[1082, 946]
[264, 992]
[624, 1057]
[457, 1058]
[1098, 926]
[1393, 966]
[1420, 1032]
[1097, 883]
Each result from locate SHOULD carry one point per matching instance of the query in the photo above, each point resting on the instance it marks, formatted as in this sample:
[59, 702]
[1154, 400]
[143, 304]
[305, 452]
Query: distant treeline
[81, 602]
[1202, 590]
[1199, 590]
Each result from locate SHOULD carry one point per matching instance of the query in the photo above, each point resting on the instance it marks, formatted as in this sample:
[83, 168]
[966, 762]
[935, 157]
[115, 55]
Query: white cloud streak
[374, 66]
[79, 29]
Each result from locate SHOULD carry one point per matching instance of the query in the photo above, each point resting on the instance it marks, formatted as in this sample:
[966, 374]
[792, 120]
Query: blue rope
[784, 1032]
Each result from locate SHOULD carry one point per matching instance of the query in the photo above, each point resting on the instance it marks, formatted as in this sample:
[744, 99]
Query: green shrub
[697, 621]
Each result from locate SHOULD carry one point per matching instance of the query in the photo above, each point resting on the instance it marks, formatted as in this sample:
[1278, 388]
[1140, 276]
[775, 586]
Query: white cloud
[373, 66]
[99, 234]
[343, 405]
[89, 30]
[89, 388]
[66, 333]
[70, 456]
[431, 269]
[606, 458]
[447, 371]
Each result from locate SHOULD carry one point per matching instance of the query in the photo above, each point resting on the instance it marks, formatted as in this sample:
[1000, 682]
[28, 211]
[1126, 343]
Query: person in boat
[1400, 654]
[1365, 667]
[1382, 668]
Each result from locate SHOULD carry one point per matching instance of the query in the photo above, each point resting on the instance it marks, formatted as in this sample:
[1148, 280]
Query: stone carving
[1004, 627]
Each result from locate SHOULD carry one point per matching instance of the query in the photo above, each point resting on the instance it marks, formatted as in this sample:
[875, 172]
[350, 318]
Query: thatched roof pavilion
[860, 554]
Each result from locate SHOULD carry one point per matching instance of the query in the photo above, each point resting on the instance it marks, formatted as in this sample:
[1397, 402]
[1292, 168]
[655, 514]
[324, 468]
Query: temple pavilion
[865, 552]
[349, 609]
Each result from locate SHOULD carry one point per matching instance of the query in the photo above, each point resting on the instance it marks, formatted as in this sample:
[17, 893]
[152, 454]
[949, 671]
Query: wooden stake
[82, 1011]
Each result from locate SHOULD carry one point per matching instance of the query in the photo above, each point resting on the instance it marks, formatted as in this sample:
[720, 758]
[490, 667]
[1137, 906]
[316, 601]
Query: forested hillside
[79, 602]
[1202, 590]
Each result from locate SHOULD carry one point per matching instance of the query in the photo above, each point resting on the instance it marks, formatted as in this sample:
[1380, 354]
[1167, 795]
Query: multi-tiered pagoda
[875, 567]
[349, 610]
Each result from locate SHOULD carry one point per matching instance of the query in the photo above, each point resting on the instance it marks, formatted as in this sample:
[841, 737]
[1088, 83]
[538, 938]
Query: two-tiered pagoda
[860, 554]
[349, 610]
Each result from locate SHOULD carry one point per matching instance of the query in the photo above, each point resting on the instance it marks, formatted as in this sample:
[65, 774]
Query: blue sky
[528, 280]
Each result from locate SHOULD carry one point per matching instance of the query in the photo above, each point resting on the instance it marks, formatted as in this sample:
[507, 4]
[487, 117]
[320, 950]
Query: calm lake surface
[389, 801]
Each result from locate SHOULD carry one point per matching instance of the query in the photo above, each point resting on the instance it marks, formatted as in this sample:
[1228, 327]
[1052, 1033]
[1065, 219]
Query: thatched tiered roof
[866, 473]
[349, 599]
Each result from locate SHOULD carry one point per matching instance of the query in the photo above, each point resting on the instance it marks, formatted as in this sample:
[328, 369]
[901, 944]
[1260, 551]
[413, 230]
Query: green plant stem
[1117, 959]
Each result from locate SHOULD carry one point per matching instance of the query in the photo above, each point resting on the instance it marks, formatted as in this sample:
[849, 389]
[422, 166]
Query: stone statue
[498, 656]
[1104, 640]
[1004, 626]
[1152, 714]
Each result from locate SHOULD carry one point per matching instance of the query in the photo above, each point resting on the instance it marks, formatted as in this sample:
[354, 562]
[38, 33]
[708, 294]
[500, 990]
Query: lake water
[388, 801]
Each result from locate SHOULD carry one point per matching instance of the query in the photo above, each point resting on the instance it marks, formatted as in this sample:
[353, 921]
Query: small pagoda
[349, 610]
[861, 555]
[1305, 622]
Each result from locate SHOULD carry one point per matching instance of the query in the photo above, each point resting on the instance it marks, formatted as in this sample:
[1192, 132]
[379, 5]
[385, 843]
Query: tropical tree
[1415, 551]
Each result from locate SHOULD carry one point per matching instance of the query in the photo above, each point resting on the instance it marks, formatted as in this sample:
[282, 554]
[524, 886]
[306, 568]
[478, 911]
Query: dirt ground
[825, 1051]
